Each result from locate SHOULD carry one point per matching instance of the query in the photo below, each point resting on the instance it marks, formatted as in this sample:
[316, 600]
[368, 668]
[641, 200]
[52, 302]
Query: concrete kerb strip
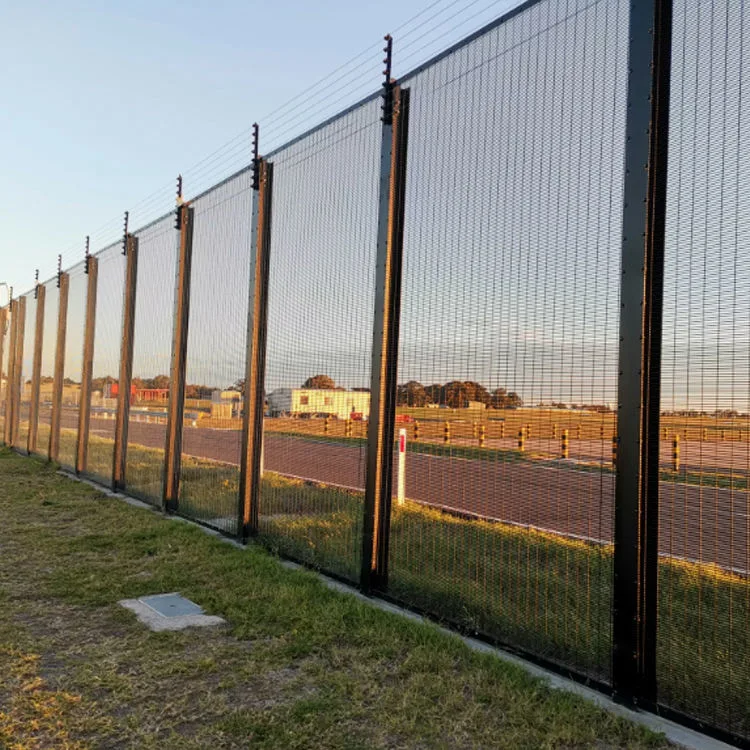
[674, 732]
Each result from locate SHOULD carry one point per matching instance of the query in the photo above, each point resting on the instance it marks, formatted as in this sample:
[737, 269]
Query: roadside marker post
[401, 466]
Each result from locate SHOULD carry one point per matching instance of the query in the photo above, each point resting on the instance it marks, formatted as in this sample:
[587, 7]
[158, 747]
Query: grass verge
[541, 592]
[298, 666]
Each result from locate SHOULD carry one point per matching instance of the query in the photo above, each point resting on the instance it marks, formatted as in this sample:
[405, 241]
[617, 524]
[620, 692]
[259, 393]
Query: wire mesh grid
[47, 370]
[217, 338]
[106, 362]
[703, 655]
[5, 334]
[27, 361]
[152, 355]
[508, 346]
[320, 307]
[72, 363]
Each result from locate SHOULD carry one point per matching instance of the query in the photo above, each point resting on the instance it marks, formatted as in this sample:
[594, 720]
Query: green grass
[298, 666]
[538, 591]
[736, 480]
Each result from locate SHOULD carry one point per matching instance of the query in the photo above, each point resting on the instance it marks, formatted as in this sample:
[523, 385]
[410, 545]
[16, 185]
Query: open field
[298, 665]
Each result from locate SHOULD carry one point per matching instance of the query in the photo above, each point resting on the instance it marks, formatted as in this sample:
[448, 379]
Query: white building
[298, 401]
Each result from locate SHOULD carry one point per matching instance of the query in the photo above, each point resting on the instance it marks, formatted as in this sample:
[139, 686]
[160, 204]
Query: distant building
[151, 394]
[230, 394]
[308, 401]
[476, 405]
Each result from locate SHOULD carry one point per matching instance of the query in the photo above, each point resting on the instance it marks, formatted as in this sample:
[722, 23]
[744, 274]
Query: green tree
[501, 399]
[457, 393]
[434, 393]
[321, 382]
[412, 393]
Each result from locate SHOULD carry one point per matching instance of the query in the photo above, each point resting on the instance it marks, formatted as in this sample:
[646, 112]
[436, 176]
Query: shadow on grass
[538, 591]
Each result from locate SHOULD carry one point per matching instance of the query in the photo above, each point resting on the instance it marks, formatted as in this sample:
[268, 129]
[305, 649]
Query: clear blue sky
[513, 207]
[104, 103]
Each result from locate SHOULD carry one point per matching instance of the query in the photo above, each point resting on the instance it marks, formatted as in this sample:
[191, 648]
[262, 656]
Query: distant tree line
[724, 413]
[456, 394]
[599, 408]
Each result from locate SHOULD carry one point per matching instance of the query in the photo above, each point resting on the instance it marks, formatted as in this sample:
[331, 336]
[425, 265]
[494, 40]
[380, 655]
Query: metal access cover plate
[169, 612]
[171, 605]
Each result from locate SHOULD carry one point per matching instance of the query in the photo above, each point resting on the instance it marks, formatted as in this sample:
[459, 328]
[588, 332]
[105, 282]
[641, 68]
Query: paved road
[707, 524]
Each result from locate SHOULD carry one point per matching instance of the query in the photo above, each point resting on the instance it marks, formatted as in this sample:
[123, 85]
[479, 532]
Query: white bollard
[401, 496]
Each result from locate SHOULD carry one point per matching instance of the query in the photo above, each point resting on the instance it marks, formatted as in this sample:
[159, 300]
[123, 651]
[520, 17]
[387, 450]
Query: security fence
[474, 345]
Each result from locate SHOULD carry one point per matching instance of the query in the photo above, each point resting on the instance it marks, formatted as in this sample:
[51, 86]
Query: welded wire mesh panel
[26, 368]
[47, 371]
[106, 362]
[212, 433]
[4, 383]
[508, 349]
[152, 354]
[703, 656]
[321, 296]
[72, 365]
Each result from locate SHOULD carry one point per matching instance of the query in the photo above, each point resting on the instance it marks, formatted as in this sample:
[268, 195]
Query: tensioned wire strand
[219, 162]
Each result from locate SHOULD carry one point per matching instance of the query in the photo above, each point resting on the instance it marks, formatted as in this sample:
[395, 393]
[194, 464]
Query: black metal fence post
[63, 283]
[84, 407]
[17, 387]
[185, 220]
[4, 333]
[36, 368]
[641, 298]
[11, 374]
[255, 369]
[126, 361]
[383, 375]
